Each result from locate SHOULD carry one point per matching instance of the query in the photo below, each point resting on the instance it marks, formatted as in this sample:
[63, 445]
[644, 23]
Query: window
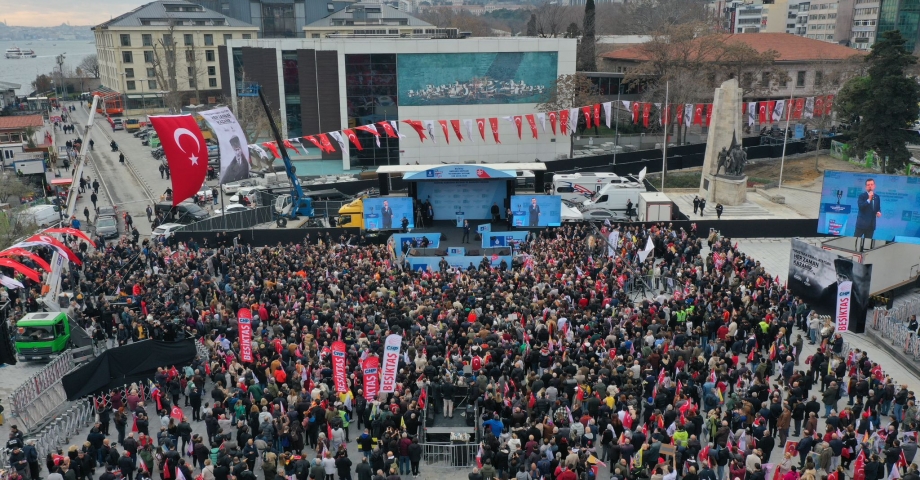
[129, 73]
[191, 71]
[246, 36]
[151, 72]
[148, 56]
[167, 39]
[819, 78]
[209, 55]
[208, 39]
[765, 79]
[130, 85]
[212, 70]
[152, 84]
[212, 82]
[147, 40]
[189, 55]
[784, 81]
[191, 82]
[127, 57]
[125, 40]
[800, 79]
[189, 40]
[315, 35]
[228, 36]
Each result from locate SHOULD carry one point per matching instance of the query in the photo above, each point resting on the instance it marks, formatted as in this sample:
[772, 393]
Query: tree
[164, 68]
[252, 118]
[587, 56]
[885, 102]
[90, 65]
[639, 17]
[42, 83]
[14, 228]
[570, 91]
[12, 186]
[532, 26]
[551, 18]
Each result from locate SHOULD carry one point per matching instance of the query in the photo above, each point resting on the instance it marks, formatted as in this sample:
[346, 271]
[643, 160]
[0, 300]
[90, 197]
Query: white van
[41, 215]
[614, 197]
[582, 186]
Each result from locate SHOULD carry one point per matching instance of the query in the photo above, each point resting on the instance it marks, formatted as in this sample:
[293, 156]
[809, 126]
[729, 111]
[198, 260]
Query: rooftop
[789, 47]
[9, 86]
[160, 13]
[18, 122]
[368, 13]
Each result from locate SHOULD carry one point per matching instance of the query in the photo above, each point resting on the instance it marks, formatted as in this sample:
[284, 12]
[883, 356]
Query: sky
[47, 13]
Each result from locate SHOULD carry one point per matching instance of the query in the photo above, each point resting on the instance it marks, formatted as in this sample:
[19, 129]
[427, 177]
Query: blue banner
[422, 263]
[404, 241]
[460, 172]
[387, 213]
[503, 239]
[881, 207]
[536, 210]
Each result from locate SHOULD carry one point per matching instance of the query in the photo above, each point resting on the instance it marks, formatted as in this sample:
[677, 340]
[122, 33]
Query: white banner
[649, 246]
[390, 363]
[608, 109]
[844, 302]
[234, 149]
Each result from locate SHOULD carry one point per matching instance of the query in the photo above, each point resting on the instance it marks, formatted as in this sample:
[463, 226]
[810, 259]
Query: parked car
[106, 211]
[164, 230]
[116, 123]
[232, 208]
[233, 187]
[41, 215]
[600, 214]
[107, 227]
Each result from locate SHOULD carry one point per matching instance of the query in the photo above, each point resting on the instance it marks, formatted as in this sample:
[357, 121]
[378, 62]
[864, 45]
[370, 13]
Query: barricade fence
[34, 386]
[892, 326]
[450, 455]
[233, 221]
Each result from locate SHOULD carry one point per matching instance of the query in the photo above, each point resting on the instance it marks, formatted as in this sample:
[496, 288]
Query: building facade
[133, 53]
[903, 15]
[370, 19]
[328, 84]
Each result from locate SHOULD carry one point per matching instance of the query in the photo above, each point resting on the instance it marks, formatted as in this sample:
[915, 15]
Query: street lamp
[124, 84]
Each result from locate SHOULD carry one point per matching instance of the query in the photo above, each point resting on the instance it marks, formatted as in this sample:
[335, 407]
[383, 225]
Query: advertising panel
[390, 363]
[830, 284]
[881, 207]
[502, 239]
[244, 318]
[371, 369]
[427, 79]
[536, 210]
[339, 372]
[387, 213]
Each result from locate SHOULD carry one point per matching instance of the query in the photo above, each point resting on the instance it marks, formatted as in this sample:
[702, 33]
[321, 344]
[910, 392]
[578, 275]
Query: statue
[723, 161]
[739, 159]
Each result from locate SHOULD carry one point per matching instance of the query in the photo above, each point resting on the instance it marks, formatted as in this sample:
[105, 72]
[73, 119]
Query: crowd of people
[577, 376]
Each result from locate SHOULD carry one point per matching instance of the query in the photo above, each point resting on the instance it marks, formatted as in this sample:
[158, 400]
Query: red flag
[388, 129]
[762, 110]
[371, 129]
[481, 123]
[422, 399]
[635, 112]
[353, 138]
[272, 147]
[698, 114]
[314, 141]
[339, 366]
[597, 114]
[646, 112]
[771, 105]
[518, 123]
[799, 108]
[564, 121]
[456, 125]
[902, 460]
[418, 127]
[552, 121]
[446, 131]
[680, 114]
[325, 143]
[186, 152]
[28, 272]
[819, 107]
[532, 121]
[21, 252]
[587, 112]
[493, 123]
[289, 144]
[709, 113]
[828, 104]
[49, 241]
[71, 231]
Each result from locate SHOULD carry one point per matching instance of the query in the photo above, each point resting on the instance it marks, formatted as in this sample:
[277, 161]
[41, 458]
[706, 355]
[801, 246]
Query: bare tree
[252, 118]
[164, 67]
[194, 59]
[552, 19]
[639, 17]
[90, 65]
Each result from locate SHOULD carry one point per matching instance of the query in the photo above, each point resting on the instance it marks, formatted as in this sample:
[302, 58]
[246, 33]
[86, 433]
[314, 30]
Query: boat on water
[16, 52]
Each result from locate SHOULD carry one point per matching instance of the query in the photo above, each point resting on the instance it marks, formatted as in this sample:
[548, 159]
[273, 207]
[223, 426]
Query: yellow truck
[132, 125]
[351, 215]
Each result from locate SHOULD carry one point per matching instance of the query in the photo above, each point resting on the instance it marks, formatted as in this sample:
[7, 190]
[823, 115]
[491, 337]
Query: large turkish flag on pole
[186, 152]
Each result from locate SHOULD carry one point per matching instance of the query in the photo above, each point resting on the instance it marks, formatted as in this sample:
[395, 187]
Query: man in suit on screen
[386, 216]
[534, 213]
[869, 207]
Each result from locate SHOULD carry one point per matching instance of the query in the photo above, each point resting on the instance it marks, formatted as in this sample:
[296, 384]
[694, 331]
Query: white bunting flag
[608, 117]
[395, 125]
[469, 129]
[688, 114]
[541, 117]
[429, 126]
[339, 138]
[810, 107]
[752, 112]
[573, 119]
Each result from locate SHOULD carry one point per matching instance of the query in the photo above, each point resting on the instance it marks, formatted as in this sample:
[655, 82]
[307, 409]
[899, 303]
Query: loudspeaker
[470, 416]
[383, 184]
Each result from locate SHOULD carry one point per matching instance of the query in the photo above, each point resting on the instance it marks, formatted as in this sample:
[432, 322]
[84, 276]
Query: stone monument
[723, 180]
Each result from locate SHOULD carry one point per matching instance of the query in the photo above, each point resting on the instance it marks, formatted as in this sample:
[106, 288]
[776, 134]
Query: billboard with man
[536, 210]
[869, 205]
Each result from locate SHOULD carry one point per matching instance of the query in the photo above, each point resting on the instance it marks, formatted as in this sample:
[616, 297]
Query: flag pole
[664, 145]
[782, 160]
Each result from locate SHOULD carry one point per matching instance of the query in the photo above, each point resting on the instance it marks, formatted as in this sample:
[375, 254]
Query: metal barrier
[241, 220]
[450, 455]
[44, 379]
[892, 326]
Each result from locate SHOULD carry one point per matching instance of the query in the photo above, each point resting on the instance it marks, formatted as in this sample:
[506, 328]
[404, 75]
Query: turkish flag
[21, 252]
[533, 124]
[446, 131]
[635, 112]
[353, 138]
[762, 116]
[709, 114]
[552, 121]
[325, 143]
[272, 147]
[418, 127]
[481, 122]
[71, 231]
[819, 106]
[770, 106]
[564, 121]
[42, 240]
[28, 272]
[493, 122]
[518, 122]
[314, 141]
[456, 125]
[828, 104]
[186, 152]
[587, 112]
[799, 108]
[646, 111]
[698, 114]
[371, 129]
[597, 114]
[680, 114]
[388, 129]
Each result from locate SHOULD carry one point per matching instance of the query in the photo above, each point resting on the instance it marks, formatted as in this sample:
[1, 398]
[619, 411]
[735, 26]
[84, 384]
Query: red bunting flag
[635, 112]
[418, 127]
[532, 121]
[371, 129]
[709, 114]
[353, 138]
[185, 151]
[552, 121]
[325, 143]
[680, 113]
[456, 126]
[481, 123]
[762, 111]
[290, 144]
[314, 141]
[698, 114]
[446, 131]
[587, 112]
[272, 147]
[646, 112]
[828, 104]
[564, 121]
[518, 123]
[388, 129]
[597, 114]
[493, 123]
[799, 108]
[819, 107]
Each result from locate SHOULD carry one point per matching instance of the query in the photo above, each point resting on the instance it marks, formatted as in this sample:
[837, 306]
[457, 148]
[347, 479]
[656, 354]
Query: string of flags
[561, 122]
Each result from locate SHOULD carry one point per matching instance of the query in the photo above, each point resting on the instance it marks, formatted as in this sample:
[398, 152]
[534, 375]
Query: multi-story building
[369, 19]
[857, 23]
[822, 20]
[749, 18]
[133, 51]
[276, 19]
[903, 15]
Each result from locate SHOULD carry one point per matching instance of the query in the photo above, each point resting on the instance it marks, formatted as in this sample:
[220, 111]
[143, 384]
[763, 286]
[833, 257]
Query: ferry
[16, 52]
